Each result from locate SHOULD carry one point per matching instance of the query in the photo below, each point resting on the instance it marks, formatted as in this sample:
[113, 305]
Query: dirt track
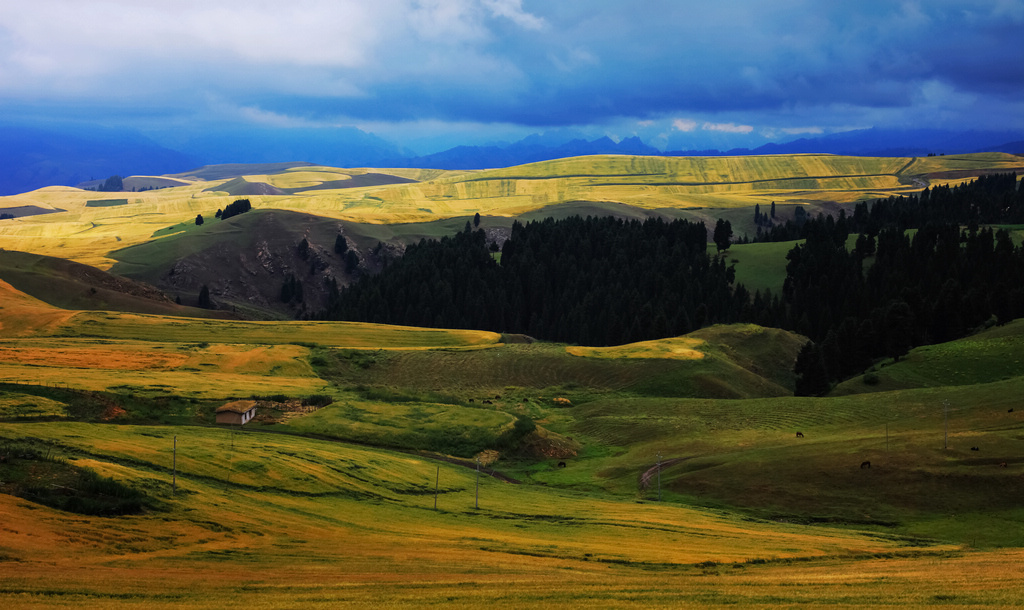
[645, 477]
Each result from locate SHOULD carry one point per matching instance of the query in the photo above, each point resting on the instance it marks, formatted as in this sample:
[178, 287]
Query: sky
[430, 74]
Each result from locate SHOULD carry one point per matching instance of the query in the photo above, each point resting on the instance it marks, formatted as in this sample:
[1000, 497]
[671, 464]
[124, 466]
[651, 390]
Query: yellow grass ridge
[90, 234]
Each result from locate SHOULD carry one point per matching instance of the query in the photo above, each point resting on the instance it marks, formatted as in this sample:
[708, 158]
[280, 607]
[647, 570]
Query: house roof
[238, 406]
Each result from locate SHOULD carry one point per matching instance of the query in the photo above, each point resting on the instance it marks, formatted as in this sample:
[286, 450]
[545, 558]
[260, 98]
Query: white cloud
[684, 124]
[795, 131]
[727, 127]
[513, 11]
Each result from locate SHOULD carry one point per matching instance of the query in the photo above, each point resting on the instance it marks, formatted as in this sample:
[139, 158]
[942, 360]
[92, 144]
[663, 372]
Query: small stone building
[236, 413]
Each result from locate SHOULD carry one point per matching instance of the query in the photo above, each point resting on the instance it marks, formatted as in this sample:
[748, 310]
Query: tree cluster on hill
[111, 184]
[991, 199]
[235, 208]
[934, 286]
[593, 281]
[603, 281]
[291, 290]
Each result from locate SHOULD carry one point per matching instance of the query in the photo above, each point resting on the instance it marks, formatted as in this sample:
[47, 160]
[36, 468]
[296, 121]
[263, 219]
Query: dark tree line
[603, 281]
[593, 281]
[992, 199]
[936, 285]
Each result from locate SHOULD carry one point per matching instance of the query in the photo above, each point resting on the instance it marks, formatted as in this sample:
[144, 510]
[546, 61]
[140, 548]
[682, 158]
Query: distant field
[89, 234]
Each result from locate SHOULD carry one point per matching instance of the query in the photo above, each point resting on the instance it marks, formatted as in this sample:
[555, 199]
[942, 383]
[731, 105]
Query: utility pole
[659, 477]
[174, 471]
[945, 418]
[477, 505]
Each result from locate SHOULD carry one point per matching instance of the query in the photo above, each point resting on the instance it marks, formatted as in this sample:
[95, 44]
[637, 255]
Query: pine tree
[811, 375]
[723, 234]
[204, 297]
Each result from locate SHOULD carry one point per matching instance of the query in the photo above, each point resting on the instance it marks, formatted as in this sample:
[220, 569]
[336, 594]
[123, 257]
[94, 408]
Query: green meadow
[417, 467]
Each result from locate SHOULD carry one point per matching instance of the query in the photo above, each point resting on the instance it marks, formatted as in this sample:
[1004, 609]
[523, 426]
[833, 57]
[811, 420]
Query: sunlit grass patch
[683, 348]
[15, 405]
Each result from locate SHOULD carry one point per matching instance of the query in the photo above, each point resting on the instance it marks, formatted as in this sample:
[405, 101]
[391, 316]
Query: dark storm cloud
[517, 61]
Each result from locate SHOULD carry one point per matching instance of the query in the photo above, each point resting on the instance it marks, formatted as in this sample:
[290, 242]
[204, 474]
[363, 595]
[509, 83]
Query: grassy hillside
[336, 505]
[330, 523]
[992, 355]
[71, 285]
[745, 453]
[89, 234]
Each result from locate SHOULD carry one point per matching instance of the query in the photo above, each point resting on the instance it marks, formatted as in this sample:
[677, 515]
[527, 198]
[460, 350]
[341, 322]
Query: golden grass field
[200, 358]
[277, 520]
[267, 518]
[272, 520]
[89, 234]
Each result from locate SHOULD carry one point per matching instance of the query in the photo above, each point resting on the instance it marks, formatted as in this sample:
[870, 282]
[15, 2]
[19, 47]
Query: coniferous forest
[923, 270]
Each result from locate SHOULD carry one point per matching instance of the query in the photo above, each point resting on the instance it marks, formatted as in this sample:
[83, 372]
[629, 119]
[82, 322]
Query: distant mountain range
[34, 157]
[865, 143]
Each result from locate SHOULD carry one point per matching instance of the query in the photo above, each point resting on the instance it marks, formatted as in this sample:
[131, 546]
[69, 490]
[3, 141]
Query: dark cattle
[799, 434]
[1002, 464]
[497, 397]
[470, 400]
[1010, 410]
[487, 402]
[974, 449]
[561, 464]
[865, 464]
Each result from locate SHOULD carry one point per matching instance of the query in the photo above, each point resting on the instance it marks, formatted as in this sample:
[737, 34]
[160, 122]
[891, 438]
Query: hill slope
[70, 285]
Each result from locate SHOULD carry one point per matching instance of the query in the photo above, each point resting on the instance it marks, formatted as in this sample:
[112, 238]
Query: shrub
[317, 400]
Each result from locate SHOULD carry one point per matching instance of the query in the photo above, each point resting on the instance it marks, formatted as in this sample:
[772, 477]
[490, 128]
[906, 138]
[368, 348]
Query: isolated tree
[351, 261]
[799, 216]
[219, 213]
[723, 234]
[304, 249]
[811, 374]
[340, 244]
[204, 297]
[476, 220]
[773, 210]
[899, 329]
[199, 219]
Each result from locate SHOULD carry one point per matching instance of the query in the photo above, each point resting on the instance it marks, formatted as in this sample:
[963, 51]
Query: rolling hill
[659, 473]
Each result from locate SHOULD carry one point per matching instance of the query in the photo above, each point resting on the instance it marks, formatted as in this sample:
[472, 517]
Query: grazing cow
[865, 464]
[487, 402]
[1010, 410]
[799, 434]
[497, 397]
[974, 449]
[470, 400]
[1002, 464]
[561, 464]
